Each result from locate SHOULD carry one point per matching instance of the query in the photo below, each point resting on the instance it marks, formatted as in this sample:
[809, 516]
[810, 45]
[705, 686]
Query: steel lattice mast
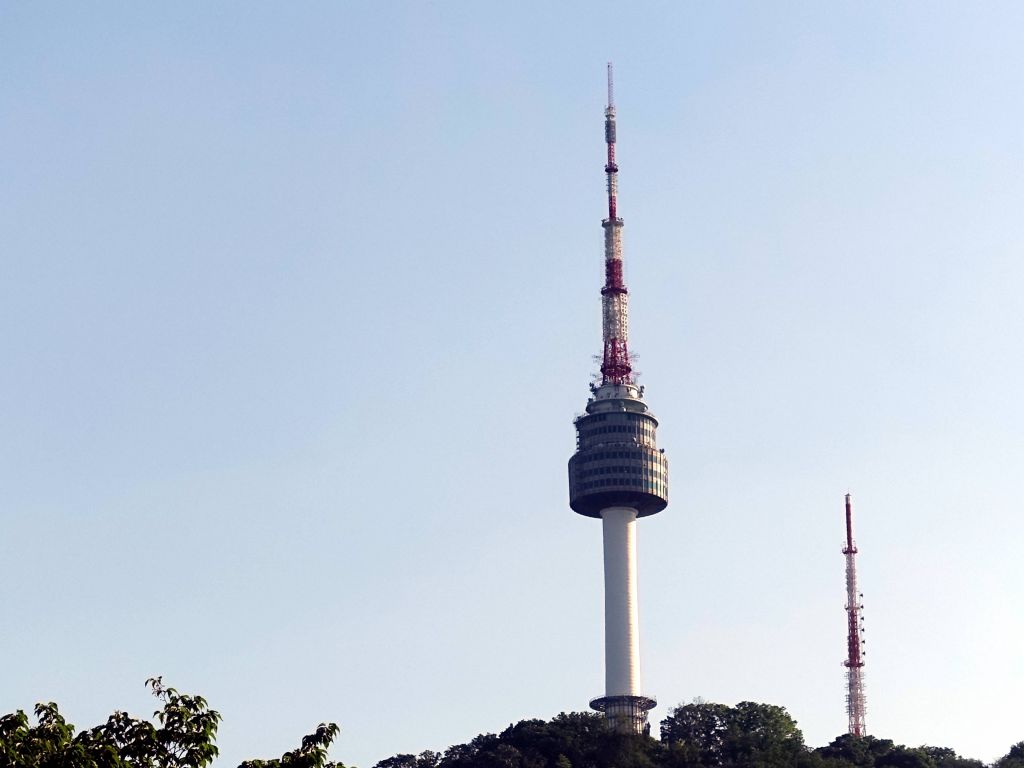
[855, 702]
[615, 365]
[618, 474]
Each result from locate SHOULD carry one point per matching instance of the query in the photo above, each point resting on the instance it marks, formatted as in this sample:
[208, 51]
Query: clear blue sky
[298, 302]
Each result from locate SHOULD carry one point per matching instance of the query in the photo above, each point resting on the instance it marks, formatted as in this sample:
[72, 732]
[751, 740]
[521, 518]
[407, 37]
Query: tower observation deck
[618, 473]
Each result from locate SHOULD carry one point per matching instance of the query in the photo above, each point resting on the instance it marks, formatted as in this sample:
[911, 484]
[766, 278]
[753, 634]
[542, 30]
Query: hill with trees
[695, 735]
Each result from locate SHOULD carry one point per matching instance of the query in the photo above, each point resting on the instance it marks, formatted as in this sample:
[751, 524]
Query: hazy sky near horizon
[297, 303]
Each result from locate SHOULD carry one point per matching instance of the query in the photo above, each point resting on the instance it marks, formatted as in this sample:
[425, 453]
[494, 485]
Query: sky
[298, 303]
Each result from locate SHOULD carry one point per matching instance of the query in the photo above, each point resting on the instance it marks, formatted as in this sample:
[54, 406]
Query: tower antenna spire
[611, 88]
[855, 701]
[616, 367]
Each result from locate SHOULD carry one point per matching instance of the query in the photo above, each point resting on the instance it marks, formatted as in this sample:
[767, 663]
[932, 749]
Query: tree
[426, 759]
[311, 754]
[183, 731]
[870, 752]
[858, 751]
[570, 740]
[749, 734]
[944, 757]
[184, 738]
[1012, 759]
[905, 757]
[46, 744]
[762, 734]
[700, 729]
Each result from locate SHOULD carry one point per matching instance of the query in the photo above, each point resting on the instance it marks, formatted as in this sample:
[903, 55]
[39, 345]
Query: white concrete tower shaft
[621, 613]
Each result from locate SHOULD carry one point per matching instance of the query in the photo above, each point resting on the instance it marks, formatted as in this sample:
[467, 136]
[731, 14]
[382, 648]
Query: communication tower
[855, 704]
[618, 474]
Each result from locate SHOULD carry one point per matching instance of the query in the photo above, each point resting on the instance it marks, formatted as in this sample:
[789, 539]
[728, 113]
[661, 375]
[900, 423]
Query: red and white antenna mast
[615, 365]
[854, 634]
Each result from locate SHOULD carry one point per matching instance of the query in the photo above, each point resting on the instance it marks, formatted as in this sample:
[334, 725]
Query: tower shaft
[621, 614]
[854, 663]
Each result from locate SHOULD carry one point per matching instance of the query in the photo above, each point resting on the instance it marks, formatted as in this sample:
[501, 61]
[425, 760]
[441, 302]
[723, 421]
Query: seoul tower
[618, 474]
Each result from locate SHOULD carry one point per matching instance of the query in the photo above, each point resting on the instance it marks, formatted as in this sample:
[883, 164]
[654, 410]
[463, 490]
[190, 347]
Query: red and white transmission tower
[854, 634]
[615, 362]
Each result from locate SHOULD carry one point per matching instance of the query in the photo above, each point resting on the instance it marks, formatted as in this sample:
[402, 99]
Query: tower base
[626, 714]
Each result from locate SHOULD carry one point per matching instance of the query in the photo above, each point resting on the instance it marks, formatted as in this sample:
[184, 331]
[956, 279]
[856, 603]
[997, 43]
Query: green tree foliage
[869, 752]
[944, 757]
[311, 754]
[861, 752]
[182, 737]
[426, 759]
[574, 740]
[1014, 758]
[183, 732]
[697, 732]
[748, 735]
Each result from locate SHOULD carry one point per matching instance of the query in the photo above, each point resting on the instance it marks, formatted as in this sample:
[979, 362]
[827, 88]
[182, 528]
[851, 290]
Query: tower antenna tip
[611, 88]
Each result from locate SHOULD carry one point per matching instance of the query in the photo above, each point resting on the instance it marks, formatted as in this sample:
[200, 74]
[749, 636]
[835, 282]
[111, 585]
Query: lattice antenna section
[615, 363]
[854, 663]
